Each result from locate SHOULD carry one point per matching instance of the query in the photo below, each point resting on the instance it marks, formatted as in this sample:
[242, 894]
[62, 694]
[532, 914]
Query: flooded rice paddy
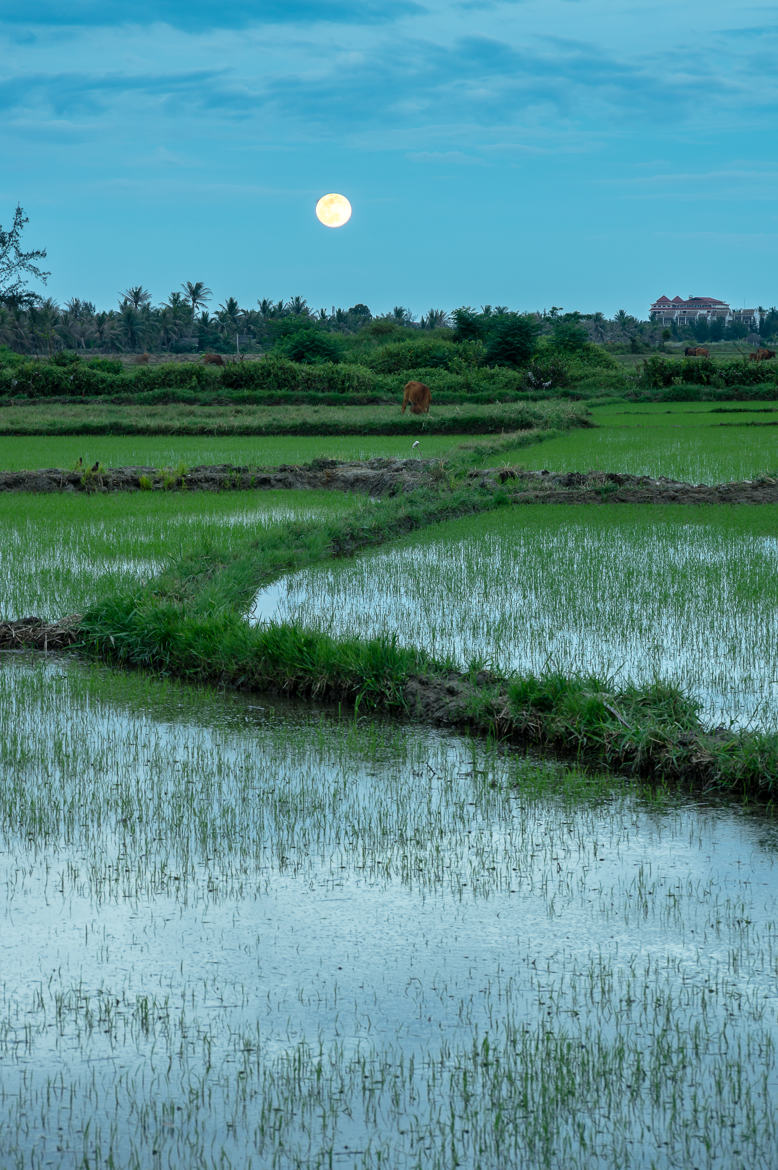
[693, 442]
[243, 934]
[688, 596]
[59, 554]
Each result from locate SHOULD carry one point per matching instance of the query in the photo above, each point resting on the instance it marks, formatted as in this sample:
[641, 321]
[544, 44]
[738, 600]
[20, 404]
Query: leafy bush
[276, 373]
[107, 365]
[43, 380]
[310, 346]
[189, 374]
[430, 353]
[9, 357]
[512, 340]
[569, 337]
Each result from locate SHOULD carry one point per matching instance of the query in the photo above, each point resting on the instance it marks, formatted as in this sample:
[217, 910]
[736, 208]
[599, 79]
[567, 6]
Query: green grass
[93, 417]
[27, 452]
[698, 443]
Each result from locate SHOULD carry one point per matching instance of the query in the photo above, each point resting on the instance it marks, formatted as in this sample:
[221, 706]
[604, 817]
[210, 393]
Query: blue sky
[592, 154]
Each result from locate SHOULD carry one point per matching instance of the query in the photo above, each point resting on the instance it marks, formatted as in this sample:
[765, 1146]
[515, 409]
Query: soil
[388, 477]
[376, 477]
[607, 487]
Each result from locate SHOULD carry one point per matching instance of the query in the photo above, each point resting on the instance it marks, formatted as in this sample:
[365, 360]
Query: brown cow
[696, 351]
[213, 359]
[419, 397]
[765, 355]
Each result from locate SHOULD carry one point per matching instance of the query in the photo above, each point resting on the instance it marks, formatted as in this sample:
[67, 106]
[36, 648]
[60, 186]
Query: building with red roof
[686, 312]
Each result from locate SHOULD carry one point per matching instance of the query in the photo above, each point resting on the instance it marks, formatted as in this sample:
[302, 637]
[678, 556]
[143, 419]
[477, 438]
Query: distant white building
[686, 312]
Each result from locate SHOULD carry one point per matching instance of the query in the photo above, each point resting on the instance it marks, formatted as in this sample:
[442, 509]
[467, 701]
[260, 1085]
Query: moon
[333, 210]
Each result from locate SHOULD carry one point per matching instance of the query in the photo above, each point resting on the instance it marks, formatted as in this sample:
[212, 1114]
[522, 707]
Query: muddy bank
[376, 477]
[33, 633]
[606, 487]
[389, 477]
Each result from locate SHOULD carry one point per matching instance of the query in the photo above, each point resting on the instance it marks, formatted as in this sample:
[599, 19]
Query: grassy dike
[93, 417]
[189, 623]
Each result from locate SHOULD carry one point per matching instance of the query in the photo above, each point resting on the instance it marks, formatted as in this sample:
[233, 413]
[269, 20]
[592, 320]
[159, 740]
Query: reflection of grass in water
[680, 441]
[689, 596]
[275, 935]
[60, 553]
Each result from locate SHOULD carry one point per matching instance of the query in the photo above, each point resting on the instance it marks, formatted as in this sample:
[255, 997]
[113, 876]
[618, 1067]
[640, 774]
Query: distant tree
[175, 319]
[468, 325]
[435, 319]
[569, 336]
[17, 266]
[132, 325]
[269, 309]
[598, 325]
[625, 321]
[511, 342]
[229, 317]
[769, 326]
[716, 329]
[43, 320]
[701, 329]
[309, 344]
[136, 297]
[197, 294]
[297, 307]
[736, 331]
[359, 315]
[77, 323]
[106, 329]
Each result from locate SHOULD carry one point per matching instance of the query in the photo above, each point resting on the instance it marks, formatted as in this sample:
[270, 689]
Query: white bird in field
[414, 445]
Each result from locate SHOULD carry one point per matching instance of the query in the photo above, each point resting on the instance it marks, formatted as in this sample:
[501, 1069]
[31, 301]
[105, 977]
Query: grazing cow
[213, 359]
[142, 359]
[765, 355]
[696, 351]
[419, 397]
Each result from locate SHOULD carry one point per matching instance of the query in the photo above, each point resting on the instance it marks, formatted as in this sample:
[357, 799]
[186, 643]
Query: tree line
[185, 322]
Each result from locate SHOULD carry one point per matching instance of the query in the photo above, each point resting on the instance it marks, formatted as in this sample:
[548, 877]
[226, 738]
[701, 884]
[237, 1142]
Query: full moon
[333, 210]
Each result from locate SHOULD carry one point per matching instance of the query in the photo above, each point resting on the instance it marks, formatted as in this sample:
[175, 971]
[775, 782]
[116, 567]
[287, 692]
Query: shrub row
[658, 372]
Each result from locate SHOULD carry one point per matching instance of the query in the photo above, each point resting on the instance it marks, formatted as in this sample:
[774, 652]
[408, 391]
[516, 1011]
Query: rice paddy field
[61, 553]
[25, 452]
[634, 594]
[241, 932]
[693, 442]
[237, 934]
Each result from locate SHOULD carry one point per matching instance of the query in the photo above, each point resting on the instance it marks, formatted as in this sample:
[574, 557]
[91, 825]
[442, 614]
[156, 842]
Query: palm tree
[137, 297]
[43, 319]
[598, 320]
[298, 307]
[78, 322]
[229, 316]
[106, 327]
[436, 319]
[132, 325]
[197, 294]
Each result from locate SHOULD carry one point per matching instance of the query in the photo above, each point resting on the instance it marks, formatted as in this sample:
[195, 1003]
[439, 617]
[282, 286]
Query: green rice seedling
[634, 595]
[60, 553]
[266, 936]
[26, 452]
[696, 443]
